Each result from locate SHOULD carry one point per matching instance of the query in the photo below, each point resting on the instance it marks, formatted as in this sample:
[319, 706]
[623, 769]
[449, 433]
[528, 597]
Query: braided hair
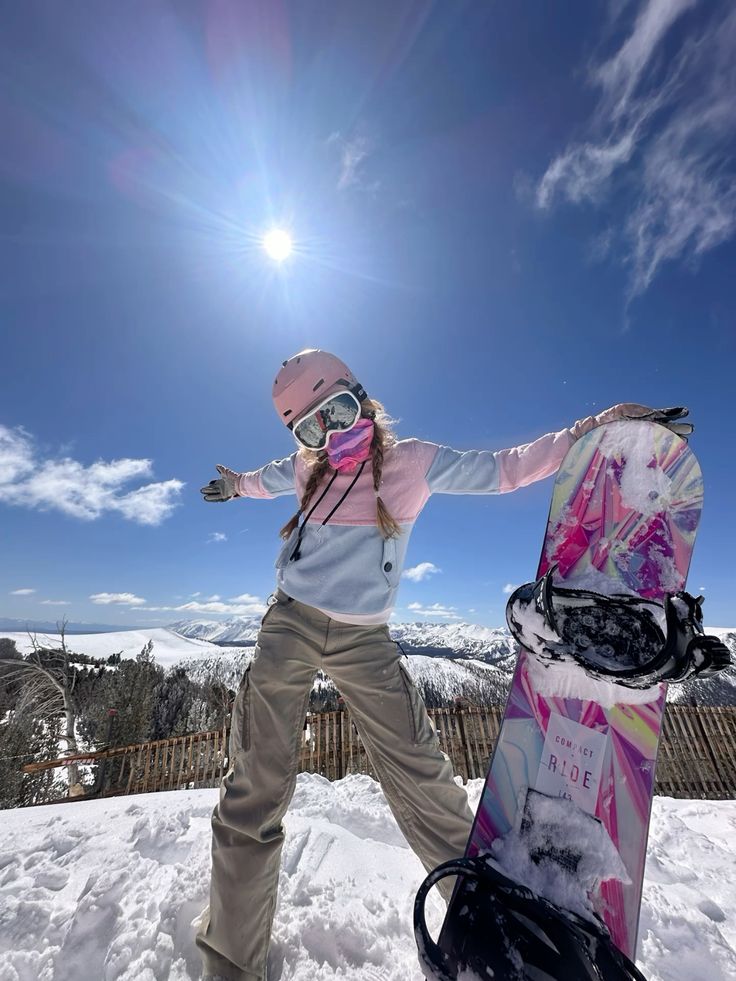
[319, 463]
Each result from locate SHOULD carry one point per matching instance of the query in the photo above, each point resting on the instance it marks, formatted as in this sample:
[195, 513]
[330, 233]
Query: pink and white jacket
[345, 568]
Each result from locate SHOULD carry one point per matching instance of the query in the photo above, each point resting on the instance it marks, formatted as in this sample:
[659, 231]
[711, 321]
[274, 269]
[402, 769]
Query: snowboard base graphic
[566, 804]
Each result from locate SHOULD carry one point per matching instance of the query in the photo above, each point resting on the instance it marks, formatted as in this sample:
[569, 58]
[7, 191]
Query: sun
[277, 244]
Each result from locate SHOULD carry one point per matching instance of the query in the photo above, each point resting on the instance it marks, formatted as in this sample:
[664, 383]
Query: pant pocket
[240, 719]
[411, 698]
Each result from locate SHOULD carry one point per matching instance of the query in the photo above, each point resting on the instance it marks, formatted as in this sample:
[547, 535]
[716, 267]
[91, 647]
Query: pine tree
[43, 685]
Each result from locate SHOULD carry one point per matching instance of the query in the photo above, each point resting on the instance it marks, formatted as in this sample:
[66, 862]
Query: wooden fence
[697, 757]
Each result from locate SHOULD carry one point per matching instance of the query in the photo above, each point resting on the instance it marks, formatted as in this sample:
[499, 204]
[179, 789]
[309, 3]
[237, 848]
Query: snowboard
[566, 803]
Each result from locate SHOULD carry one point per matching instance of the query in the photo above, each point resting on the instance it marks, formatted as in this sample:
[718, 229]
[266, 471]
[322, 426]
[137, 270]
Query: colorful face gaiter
[346, 450]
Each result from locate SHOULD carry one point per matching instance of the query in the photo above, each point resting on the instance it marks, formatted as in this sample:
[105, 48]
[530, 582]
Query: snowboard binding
[618, 638]
[504, 930]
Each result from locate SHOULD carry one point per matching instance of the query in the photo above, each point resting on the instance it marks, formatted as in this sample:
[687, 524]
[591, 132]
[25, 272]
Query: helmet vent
[319, 383]
[288, 412]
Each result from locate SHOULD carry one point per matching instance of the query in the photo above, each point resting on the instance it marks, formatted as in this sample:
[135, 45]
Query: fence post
[697, 752]
[719, 773]
[459, 712]
[340, 762]
[99, 787]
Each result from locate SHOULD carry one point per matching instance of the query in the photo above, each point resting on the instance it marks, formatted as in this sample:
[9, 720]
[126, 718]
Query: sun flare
[277, 244]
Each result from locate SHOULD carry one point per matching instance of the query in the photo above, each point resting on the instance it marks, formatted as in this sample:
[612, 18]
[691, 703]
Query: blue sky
[506, 217]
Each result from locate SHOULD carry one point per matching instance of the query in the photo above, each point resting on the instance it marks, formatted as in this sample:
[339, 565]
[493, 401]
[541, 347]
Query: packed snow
[561, 825]
[644, 488]
[561, 679]
[109, 889]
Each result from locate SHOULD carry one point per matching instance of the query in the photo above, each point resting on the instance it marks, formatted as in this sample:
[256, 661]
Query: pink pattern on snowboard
[624, 514]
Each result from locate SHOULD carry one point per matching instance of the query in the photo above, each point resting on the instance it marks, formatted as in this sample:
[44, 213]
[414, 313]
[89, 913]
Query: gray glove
[223, 489]
[668, 418]
[632, 410]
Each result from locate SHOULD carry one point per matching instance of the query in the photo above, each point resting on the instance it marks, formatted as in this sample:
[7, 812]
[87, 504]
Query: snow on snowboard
[551, 882]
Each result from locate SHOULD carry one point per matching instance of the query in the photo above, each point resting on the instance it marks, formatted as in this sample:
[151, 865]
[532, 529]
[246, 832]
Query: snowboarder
[360, 490]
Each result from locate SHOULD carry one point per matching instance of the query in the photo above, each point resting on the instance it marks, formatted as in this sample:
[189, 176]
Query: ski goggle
[336, 414]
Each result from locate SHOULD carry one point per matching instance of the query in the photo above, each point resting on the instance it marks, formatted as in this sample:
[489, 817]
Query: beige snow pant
[295, 641]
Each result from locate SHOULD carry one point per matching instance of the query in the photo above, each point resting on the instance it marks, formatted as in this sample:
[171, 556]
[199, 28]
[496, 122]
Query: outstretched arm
[273, 480]
[500, 471]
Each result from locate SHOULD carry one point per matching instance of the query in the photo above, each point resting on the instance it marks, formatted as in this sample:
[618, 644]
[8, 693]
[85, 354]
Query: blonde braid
[382, 437]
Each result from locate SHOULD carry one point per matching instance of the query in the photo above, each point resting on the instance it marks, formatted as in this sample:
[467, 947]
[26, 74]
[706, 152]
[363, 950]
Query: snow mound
[109, 889]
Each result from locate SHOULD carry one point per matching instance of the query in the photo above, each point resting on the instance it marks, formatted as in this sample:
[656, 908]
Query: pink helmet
[307, 379]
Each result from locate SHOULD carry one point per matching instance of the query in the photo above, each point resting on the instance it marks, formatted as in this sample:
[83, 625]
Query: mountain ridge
[458, 645]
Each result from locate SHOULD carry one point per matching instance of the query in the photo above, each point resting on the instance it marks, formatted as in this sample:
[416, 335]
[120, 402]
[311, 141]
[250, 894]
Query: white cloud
[149, 505]
[16, 458]
[22, 592]
[620, 75]
[435, 610]
[125, 599]
[55, 603]
[253, 607]
[87, 492]
[420, 572]
[667, 125]
[217, 536]
[244, 598]
[580, 172]
[509, 588]
[234, 609]
[353, 152]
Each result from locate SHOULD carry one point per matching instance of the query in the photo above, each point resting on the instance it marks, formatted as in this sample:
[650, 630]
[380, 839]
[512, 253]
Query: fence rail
[697, 757]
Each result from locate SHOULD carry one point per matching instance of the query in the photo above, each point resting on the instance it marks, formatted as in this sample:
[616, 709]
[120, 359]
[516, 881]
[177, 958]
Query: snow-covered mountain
[433, 639]
[440, 680]
[168, 647]
[446, 659]
[240, 631]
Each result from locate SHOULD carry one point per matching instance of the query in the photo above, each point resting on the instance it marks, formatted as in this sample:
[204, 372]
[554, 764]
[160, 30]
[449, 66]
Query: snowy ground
[108, 889]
